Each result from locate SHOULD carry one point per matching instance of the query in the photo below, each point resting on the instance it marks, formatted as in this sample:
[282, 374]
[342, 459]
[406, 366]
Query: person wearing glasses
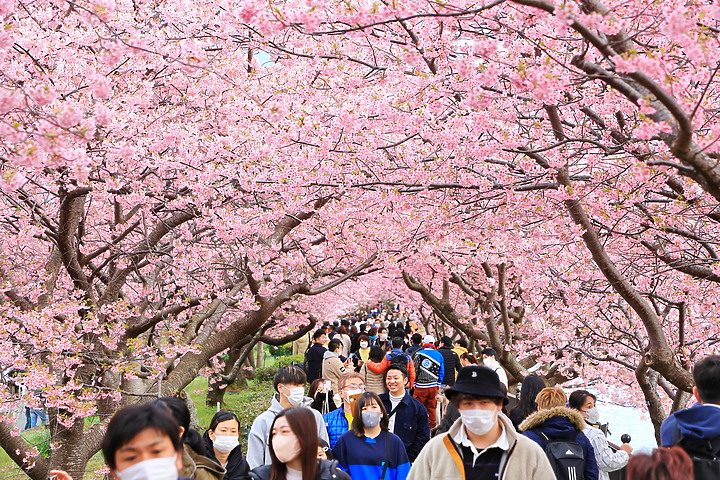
[350, 387]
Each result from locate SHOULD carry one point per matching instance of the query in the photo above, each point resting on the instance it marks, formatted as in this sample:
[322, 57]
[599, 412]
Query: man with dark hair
[489, 360]
[314, 355]
[333, 367]
[142, 442]
[289, 383]
[408, 417]
[482, 443]
[416, 340]
[451, 361]
[698, 427]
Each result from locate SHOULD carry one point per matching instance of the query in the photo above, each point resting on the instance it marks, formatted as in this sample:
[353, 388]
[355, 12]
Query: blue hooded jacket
[699, 421]
[561, 423]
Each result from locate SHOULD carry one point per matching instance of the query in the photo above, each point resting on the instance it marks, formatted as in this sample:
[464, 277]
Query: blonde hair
[550, 398]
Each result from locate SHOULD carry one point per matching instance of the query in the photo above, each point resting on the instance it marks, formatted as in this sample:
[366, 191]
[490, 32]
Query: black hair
[531, 386]
[222, 416]
[127, 423]
[577, 399]
[416, 338]
[707, 379]
[334, 345]
[376, 354]
[397, 342]
[318, 333]
[289, 374]
[180, 412]
[462, 342]
[490, 352]
[326, 448]
[363, 327]
[445, 340]
[396, 366]
[460, 396]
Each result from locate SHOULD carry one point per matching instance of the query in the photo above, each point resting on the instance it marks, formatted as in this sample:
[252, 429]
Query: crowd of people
[372, 416]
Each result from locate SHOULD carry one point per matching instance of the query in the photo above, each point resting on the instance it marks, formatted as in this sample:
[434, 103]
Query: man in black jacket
[452, 361]
[314, 355]
[408, 417]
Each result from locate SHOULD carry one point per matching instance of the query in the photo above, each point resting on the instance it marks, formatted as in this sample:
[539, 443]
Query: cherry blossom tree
[174, 173]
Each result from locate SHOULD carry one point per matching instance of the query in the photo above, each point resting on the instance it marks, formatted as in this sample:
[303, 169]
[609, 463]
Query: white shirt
[502, 442]
[394, 402]
[293, 474]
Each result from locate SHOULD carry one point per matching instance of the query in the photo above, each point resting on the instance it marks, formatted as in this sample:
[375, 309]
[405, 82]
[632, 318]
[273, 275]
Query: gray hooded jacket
[258, 452]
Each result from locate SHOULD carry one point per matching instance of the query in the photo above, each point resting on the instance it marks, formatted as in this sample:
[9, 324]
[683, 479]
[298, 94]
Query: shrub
[266, 374]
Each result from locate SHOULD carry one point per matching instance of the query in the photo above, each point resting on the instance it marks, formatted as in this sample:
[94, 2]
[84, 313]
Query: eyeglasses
[354, 386]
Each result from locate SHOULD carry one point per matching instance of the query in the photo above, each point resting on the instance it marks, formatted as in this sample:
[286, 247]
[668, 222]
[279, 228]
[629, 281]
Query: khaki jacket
[440, 459]
[332, 369]
[198, 467]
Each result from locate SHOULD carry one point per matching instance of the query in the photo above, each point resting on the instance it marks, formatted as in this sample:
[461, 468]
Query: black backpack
[399, 359]
[705, 456]
[566, 457]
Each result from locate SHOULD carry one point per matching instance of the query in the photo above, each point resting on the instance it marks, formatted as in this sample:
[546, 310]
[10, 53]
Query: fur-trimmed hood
[557, 417]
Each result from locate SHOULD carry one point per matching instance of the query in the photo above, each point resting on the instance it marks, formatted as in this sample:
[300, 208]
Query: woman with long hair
[195, 464]
[369, 451]
[294, 450]
[222, 445]
[531, 386]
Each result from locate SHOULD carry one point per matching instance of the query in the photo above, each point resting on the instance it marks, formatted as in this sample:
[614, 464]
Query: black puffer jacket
[328, 471]
[237, 467]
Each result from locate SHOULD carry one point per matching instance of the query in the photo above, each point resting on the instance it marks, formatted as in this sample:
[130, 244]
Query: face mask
[296, 395]
[164, 468]
[593, 416]
[371, 419]
[286, 447]
[363, 344]
[479, 422]
[225, 444]
[383, 336]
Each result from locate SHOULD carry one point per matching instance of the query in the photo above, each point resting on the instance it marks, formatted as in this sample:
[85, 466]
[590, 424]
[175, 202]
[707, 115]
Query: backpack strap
[387, 455]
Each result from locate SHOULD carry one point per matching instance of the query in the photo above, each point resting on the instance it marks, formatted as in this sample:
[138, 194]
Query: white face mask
[286, 447]
[296, 395]
[383, 336]
[593, 416]
[164, 468]
[225, 444]
[363, 344]
[478, 421]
